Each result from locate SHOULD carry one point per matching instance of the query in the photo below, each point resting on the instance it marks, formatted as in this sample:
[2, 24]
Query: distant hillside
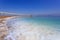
[47, 15]
[14, 14]
[29, 15]
[8, 14]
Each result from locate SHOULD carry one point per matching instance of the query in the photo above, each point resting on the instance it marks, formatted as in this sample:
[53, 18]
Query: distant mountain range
[14, 14]
[51, 15]
[8, 14]
[28, 15]
[47, 15]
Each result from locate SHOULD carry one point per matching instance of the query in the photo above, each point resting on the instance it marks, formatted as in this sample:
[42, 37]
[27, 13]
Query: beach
[3, 26]
[29, 19]
[30, 29]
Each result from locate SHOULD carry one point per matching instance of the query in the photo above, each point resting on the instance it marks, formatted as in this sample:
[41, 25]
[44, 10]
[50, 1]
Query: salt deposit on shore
[24, 30]
[3, 26]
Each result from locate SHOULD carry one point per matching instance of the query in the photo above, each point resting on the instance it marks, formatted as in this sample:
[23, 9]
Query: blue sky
[30, 6]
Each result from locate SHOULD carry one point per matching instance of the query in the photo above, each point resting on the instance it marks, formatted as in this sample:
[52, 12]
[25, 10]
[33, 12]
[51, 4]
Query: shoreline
[27, 28]
[3, 26]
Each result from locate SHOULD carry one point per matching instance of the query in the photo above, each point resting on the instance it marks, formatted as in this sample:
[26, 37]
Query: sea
[48, 28]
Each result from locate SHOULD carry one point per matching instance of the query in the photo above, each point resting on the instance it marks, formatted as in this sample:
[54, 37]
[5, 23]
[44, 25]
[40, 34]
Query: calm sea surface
[54, 22]
[50, 23]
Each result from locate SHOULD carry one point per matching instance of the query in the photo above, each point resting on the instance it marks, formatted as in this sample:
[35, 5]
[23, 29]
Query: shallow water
[37, 28]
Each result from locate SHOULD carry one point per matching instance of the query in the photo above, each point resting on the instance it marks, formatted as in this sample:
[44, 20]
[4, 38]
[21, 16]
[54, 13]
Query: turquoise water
[50, 22]
[50, 27]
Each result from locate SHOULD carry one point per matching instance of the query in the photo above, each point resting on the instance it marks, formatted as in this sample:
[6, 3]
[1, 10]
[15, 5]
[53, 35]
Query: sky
[30, 6]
